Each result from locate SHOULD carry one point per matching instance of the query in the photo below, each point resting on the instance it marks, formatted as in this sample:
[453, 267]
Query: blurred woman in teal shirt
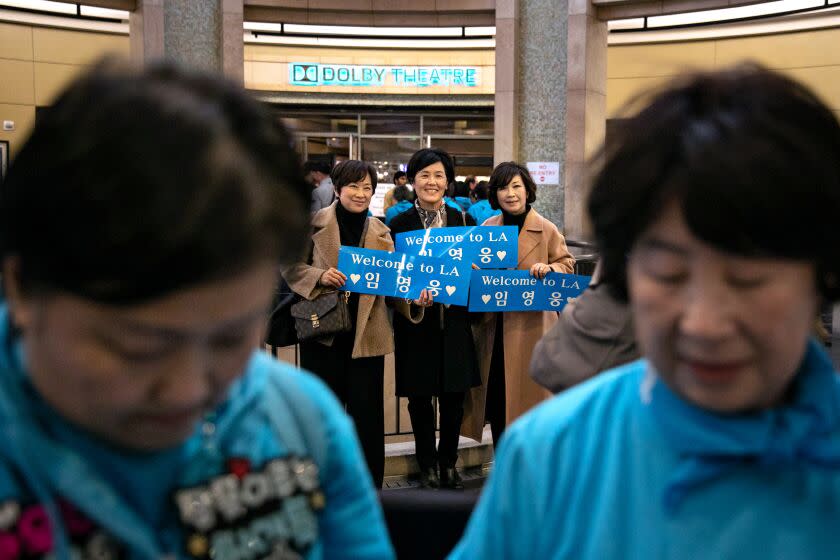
[724, 440]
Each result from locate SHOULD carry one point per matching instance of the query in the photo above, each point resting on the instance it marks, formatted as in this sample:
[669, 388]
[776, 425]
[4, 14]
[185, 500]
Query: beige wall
[812, 57]
[266, 67]
[36, 62]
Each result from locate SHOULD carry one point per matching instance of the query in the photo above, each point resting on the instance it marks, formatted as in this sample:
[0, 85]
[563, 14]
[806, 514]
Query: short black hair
[397, 176]
[133, 185]
[313, 165]
[504, 173]
[403, 193]
[480, 190]
[751, 156]
[429, 156]
[462, 189]
[350, 171]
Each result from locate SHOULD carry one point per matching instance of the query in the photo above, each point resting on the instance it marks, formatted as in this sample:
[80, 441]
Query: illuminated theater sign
[366, 75]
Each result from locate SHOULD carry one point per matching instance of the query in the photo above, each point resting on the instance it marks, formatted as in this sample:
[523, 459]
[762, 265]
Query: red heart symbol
[239, 467]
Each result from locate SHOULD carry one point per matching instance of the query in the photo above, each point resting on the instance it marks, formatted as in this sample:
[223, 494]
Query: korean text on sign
[484, 246]
[517, 290]
[397, 274]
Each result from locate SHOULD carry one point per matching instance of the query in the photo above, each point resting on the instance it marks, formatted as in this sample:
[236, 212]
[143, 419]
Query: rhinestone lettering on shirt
[251, 515]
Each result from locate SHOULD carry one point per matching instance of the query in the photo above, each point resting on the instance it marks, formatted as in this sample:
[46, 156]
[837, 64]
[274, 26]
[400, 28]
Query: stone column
[551, 96]
[586, 109]
[146, 31]
[506, 114]
[233, 47]
[542, 96]
[204, 34]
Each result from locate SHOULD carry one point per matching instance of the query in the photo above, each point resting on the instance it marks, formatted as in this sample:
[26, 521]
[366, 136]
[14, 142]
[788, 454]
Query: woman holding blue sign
[437, 356]
[724, 441]
[506, 340]
[352, 363]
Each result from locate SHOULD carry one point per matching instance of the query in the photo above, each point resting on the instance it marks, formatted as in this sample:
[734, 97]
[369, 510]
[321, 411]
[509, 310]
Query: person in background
[462, 196]
[139, 418]
[481, 209]
[318, 174]
[436, 357]
[405, 201]
[505, 341]
[449, 197]
[399, 181]
[470, 181]
[724, 440]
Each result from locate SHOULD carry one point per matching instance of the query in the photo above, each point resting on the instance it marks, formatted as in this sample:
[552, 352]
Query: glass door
[387, 154]
[327, 145]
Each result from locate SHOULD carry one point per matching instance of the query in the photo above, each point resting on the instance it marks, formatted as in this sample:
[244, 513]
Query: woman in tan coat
[505, 341]
[352, 364]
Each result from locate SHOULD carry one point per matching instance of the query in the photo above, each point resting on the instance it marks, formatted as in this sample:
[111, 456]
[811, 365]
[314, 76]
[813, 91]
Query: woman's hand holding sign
[332, 278]
[539, 270]
[425, 300]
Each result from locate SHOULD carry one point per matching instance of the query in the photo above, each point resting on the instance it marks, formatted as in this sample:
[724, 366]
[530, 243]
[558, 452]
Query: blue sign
[517, 290]
[367, 75]
[400, 275]
[484, 246]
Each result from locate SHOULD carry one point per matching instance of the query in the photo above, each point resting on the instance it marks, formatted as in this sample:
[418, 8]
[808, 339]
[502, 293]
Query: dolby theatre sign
[367, 75]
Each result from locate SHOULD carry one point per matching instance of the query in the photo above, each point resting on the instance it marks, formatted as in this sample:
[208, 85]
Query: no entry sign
[545, 172]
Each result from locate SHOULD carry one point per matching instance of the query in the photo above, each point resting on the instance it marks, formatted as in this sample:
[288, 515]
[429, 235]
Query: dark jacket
[593, 334]
[438, 354]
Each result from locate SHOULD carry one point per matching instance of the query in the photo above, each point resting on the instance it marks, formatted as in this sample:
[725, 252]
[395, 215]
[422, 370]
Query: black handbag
[281, 325]
[326, 315]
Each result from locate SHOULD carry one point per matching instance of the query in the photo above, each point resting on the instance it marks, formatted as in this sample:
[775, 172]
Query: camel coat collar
[530, 236]
[327, 242]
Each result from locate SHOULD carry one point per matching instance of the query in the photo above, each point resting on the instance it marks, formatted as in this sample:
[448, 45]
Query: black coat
[438, 354]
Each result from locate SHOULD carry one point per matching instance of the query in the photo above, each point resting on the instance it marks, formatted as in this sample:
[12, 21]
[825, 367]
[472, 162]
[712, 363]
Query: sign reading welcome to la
[370, 75]
[517, 290]
[380, 273]
[484, 246]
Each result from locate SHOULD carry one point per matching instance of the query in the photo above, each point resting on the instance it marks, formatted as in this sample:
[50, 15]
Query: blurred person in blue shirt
[723, 441]
[481, 209]
[461, 195]
[139, 418]
[404, 200]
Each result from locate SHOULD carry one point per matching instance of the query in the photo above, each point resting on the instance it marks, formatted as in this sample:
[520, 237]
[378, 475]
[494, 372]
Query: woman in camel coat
[352, 364]
[506, 389]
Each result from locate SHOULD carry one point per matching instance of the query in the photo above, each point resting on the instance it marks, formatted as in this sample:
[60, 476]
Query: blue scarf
[804, 431]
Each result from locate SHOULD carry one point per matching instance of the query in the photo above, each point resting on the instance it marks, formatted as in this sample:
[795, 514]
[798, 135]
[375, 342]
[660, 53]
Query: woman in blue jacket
[138, 419]
[724, 440]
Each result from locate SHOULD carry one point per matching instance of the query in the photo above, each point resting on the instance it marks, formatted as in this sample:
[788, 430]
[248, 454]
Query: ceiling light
[372, 31]
[739, 12]
[251, 37]
[92, 11]
[40, 5]
[260, 26]
[632, 23]
[485, 31]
